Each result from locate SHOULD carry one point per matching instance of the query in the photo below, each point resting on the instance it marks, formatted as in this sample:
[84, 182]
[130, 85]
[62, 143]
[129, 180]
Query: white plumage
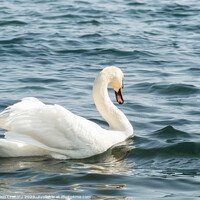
[36, 129]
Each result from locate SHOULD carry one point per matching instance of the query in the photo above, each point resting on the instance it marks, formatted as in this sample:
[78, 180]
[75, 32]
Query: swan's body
[36, 129]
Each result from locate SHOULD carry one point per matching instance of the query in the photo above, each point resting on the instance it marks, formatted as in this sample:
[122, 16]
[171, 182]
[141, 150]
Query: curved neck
[115, 118]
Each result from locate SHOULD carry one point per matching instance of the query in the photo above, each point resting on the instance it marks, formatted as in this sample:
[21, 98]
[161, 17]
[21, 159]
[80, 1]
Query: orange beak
[119, 96]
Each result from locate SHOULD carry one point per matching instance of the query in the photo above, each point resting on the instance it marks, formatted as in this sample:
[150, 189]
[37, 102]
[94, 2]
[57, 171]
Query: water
[53, 51]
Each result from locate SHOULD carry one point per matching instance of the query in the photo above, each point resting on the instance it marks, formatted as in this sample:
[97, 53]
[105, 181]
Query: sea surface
[53, 50]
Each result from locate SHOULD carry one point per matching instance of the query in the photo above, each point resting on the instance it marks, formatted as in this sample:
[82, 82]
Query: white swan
[36, 129]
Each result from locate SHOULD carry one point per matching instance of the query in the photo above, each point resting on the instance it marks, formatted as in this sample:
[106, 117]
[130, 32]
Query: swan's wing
[50, 127]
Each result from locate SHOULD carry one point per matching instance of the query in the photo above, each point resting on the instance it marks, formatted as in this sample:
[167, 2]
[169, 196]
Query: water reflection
[42, 176]
[111, 197]
[111, 162]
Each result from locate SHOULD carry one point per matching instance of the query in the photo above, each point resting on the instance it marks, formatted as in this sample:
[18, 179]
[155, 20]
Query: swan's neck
[115, 118]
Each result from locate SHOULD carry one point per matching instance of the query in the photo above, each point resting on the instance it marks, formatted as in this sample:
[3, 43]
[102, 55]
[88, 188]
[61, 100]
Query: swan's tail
[8, 115]
[9, 148]
[25, 134]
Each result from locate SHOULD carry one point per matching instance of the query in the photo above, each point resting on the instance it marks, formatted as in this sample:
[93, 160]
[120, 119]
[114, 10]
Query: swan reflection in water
[113, 161]
[42, 175]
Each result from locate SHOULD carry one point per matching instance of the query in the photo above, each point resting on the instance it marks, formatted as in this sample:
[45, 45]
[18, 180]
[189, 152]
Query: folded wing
[52, 128]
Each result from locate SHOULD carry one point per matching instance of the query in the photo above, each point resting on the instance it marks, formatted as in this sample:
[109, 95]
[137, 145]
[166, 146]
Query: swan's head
[115, 77]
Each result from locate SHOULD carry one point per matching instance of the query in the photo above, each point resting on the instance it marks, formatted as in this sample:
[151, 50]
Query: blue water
[53, 50]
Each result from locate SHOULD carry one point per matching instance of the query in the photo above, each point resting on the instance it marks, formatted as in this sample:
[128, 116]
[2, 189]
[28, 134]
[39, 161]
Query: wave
[70, 16]
[136, 3]
[93, 22]
[40, 80]
[167, 89]
[13, 23]
[92, 35]
[167, 142]
[183, 149]
[170, 132]
[179, 10]
[17, 40]
[174, 89]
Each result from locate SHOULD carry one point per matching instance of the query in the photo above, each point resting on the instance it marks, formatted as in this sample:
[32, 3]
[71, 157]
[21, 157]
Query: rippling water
[53, 51]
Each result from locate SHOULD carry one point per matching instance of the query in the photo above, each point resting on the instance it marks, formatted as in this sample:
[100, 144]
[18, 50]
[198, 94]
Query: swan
[36, 129]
